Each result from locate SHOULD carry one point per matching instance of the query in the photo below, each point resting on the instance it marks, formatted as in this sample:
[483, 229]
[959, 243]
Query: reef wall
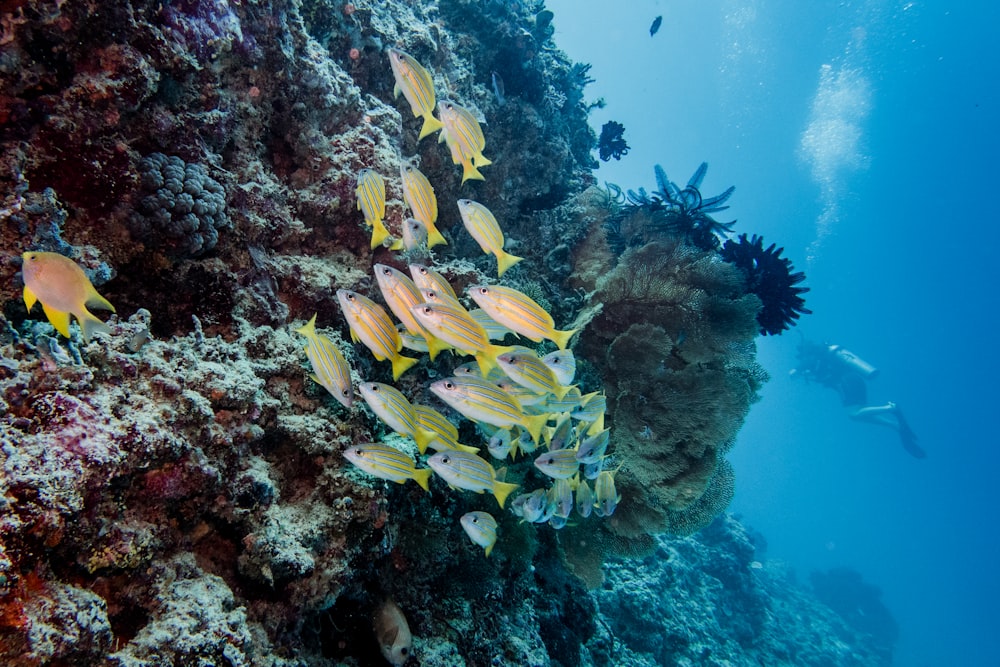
[175, 492]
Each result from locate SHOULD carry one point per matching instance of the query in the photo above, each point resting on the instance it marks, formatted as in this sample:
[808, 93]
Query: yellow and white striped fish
[463, 470]
[419, 196]
[591, 411]
[371, 202]
[452, 324]
[396, 411]
[465, 139]
[427, 278]
[483, 226]
[519, 313]
[563, 364]
[370, 324]
[446, 435]
[388, 463]
[584, 498]
[526, 369]
[482, 401]
[417, 86]
[558, 464]
[414, 234]
[330, 369]
[481, 528]
[593, 448]
[568, 403]
[401, 295]
[606, 497]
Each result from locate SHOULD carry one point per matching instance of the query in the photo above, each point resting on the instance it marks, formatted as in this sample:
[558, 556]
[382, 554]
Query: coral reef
[174, 492]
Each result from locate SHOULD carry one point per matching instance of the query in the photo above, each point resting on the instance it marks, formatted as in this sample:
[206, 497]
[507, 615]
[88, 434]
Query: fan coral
[770, 277]
[183, 209]
[612, 142]
[677, 211]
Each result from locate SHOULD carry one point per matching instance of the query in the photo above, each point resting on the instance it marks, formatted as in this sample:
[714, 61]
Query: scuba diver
[834, 367]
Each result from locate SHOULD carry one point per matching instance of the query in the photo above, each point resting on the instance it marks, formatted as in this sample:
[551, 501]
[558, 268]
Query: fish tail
[547, 434]
[396, 245]
[400, 365]
[505, 260]
[489, 548]
[308, 329]
[379, 233]
[469, 171]
[466, 448]
[89, 325]
[431, 125]
[480, 160]
[95, 300]
[486, 361]
[435, 346]
[434, 237]
[597, 426]
[561, 338]
[423, 438]
[534, 425]
[501, 490]
[422, 476]
[561, 391]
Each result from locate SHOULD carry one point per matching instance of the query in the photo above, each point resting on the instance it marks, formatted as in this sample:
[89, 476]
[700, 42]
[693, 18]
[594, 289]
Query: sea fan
[770, 276]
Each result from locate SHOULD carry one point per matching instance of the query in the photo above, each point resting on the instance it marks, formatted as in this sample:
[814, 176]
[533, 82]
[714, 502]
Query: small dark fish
[498, 88]
[656, 25]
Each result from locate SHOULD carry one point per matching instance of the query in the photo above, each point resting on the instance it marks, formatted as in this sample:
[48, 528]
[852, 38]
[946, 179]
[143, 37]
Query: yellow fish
[385, 462]
[396, 411]
[467, 471]
[482, 401]
[483, 227]
[427, 278]
[526, 369]
[330, 369]
[63, 289]
[402, 295]
[370, 324]
[446, 434]
[371, 202]
[519, 313]
[465, 139]
[481, 528]
[606, 497]
[452, 324]
[417, 86]
[419, 196]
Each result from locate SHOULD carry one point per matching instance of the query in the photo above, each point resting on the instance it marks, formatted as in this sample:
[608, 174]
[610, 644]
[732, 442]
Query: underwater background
[851, 128]
[179, 489]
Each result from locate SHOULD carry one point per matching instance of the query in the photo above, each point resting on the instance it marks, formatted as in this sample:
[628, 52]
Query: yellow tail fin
[422, 477]
[379, 233]
[534, 425]
[401, 364]
[561, 338]
[469, 171]
[505, 260]
[423, 439]
[431, 125]
[434, 236]
[501, 490]
[480, 160]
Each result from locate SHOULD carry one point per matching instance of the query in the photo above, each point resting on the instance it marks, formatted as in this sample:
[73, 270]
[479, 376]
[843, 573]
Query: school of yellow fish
[523, 404]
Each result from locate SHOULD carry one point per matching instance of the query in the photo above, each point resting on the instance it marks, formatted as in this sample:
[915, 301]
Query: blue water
[863, 137]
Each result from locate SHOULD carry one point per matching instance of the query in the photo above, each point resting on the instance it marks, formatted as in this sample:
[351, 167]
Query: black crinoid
[671, 210]
[772, 278]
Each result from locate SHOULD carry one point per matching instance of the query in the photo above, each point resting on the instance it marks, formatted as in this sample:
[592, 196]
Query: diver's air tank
[856, 363]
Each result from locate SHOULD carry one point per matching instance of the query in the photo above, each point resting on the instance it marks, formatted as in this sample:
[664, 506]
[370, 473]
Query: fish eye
[374, 387]
[386, 271]
[404, 651]
[449, 385]
[350, 297]
[445, 459]
[484, 290]
[428, 310]
[475, 519]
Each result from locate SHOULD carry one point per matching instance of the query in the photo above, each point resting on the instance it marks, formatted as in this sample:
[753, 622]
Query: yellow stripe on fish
[482, 401]
[606, 498]
[463, 470]
[481, 529]
[482, 225]
[526, 369]
[396, 411]
[388, 463]
[417, 86]
[427, 278]
[370, 324]
[419, 196]
[464, 136]
[558, 464]
[519, 313]
[401, 295]
[371, 202]
[591, 411]
[452, 324]
[330, 369]
[431, 420]
[494, 330]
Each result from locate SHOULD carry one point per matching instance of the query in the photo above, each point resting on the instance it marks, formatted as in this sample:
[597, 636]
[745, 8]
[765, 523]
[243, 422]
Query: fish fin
[486, 362]
[431, 125]
[396, 90]
[354, 336]
[396, 245]
[434, 237]
[469, 171]
[422, 477]
[423, 438]
[547, 434]
[480, 160]
[501, 490]
[561, 338]
[58, 319]
[505, 260]
[400, 365]
[95, 300]
[435, 345]
[309, 328]
[89, 325]
[561, 391]
[379, 233]
[29, 298]
[467, 448]
[534, 424]
[489, 548]
[597, 426]
[315, 378]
